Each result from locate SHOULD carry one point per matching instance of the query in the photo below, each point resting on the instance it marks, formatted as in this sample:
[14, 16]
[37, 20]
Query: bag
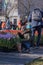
[36, 15]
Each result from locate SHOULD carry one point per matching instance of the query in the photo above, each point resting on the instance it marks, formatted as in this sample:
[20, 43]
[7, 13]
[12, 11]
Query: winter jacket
[33, 22]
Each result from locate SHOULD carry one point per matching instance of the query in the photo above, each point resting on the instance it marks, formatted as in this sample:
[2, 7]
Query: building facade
[17, 9]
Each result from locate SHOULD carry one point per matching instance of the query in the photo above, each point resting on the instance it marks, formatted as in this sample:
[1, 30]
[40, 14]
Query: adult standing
[0, 24]
[8, 26]
[36, 21]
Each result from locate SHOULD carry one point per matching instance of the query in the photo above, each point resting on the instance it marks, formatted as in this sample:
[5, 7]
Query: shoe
[26, 51]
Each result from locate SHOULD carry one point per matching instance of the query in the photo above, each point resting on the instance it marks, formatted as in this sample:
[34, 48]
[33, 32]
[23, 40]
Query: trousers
[38, 29]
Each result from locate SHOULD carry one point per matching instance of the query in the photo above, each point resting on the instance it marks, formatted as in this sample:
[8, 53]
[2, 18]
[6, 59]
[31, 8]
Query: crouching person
[25, 44]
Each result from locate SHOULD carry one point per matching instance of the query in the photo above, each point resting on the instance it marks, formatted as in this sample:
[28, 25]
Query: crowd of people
[10, 26]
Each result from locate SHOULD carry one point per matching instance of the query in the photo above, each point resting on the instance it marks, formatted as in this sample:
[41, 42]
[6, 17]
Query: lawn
[38, 61]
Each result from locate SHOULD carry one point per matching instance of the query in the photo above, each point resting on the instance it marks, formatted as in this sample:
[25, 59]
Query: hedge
[10, 43]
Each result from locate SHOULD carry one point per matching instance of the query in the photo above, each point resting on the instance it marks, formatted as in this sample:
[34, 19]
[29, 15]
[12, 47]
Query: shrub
[9, 40]
[7, 43]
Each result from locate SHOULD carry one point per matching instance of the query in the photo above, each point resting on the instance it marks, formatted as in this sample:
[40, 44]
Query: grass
[9, 43]
[38, 61]
[41, 40]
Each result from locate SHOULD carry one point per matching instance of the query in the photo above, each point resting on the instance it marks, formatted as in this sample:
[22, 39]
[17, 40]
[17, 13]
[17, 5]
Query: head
[36, 9]
[7, 17]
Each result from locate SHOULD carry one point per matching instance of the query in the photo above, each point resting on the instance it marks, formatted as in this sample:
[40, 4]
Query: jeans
[26, 44]
[38, 28]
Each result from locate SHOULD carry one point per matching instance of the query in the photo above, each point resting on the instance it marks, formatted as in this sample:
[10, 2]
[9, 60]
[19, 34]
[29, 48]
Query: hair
[37, 9]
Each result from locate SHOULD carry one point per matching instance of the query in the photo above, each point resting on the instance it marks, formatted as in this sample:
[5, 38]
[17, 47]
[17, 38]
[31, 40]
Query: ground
[13, 58]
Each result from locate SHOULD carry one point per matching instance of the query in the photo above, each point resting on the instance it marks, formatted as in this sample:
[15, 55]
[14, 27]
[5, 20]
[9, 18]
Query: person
[42, 19]
[8, 26]
[20, 23]
[0, 24]
[25, 36]
[23, 25]
[35, 17]
[3, 26]
[25, 44]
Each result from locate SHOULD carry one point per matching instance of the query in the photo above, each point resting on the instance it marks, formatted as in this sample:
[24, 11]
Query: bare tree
[30, 5]
[26, 6]
[10, 7]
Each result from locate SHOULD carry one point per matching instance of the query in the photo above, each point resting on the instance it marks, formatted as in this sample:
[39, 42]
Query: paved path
[20, 58]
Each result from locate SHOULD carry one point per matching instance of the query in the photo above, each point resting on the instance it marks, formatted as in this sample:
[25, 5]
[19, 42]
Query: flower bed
[8, 40]
[12, 31]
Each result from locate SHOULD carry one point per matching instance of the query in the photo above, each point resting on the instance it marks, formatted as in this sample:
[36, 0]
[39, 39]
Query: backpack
[36, 15]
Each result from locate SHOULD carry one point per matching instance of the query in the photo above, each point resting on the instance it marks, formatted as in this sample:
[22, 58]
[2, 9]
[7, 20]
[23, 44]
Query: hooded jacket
[33, 22]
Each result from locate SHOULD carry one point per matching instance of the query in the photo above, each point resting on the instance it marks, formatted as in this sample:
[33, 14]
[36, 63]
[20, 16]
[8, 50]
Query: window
[15, 21]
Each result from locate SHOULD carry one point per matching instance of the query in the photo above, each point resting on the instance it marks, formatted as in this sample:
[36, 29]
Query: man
[8, 23]
[36, 20]
[3, 26]
[42, 19]
[20, 24]
[0, 24]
